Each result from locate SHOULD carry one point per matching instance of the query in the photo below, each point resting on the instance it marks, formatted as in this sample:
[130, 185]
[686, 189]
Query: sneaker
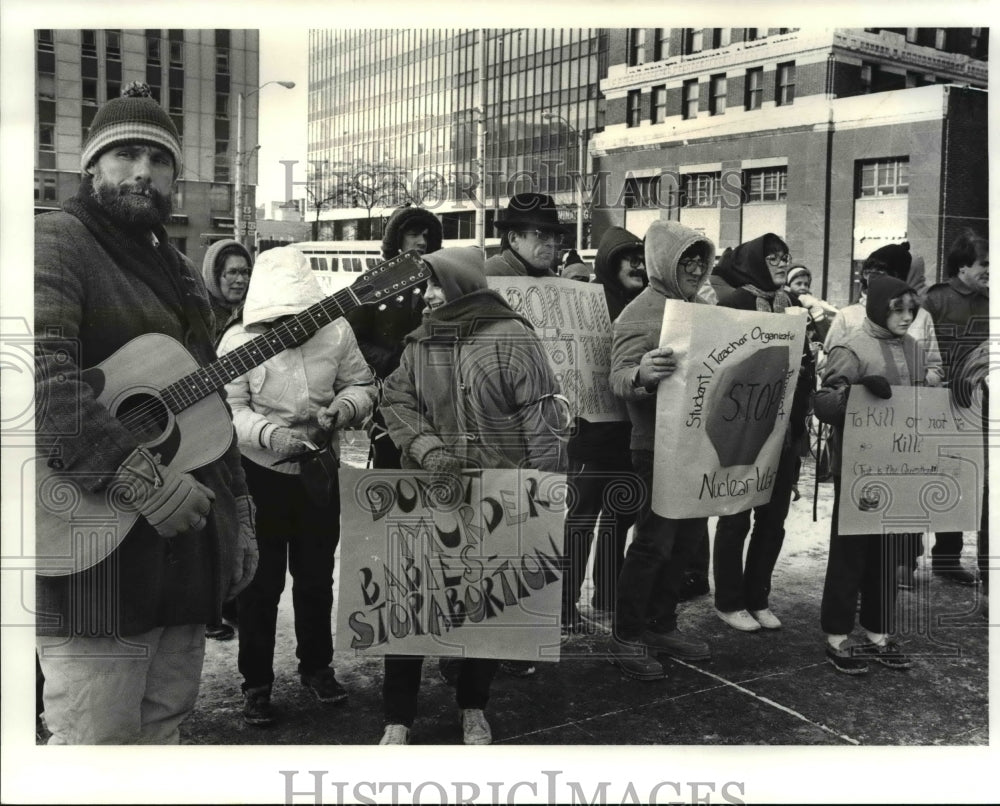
[675, 644]
[905, 580]
[957, 575]
[518, 668]
[449, 669]
[219, 632]
[888, 654]
[846, 659]
[324, 685]
[739, 620]
[634, 661]
[475, 728]
[695, 585]
[257, 706]
[766, 619]
[396, 734]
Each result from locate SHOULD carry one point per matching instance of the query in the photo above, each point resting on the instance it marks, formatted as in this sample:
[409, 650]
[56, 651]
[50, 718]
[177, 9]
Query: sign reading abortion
[571, 318]
[721, 416]
[468, 567]
[911, 463]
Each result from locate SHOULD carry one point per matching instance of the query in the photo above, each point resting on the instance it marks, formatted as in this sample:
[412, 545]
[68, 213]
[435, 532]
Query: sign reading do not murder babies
[571, 319]
[469, 568]
[721, 416]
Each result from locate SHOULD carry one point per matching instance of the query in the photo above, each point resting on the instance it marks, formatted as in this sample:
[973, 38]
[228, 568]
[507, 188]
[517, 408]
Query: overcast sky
[284, 56]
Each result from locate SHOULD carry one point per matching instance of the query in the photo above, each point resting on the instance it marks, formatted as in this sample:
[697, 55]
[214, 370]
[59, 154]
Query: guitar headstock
[388, 279]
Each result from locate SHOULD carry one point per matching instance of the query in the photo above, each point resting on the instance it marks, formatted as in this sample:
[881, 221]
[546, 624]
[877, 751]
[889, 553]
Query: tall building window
[693, 40]
[749, 34]
[634, 110]
[754, 91]
[885, 177]
[690, 99]
[45, 188]
[766, 184]
[113, 45]
[221, 161]
[88, 43]
[46, 94]
[718, 40]
[222, 61]
[152, 47]
[661, 43]
[222, 105]
[176, 48]
[717, 94]
[641, 192]
[45, 51]
[941, 38]
[701, 190]
[636, 46]
[658, 104]
[784, 91]
[867, 76]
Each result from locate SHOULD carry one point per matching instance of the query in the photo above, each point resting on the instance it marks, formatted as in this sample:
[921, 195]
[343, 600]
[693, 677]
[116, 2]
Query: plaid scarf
[770, 301]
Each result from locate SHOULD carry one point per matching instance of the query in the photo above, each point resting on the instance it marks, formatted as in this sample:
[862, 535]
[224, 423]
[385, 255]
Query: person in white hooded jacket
[301, 396]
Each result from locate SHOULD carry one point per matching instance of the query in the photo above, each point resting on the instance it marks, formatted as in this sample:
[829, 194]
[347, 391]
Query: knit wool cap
[883, 289]
[134, 117]
[797, 271]
[897, 257]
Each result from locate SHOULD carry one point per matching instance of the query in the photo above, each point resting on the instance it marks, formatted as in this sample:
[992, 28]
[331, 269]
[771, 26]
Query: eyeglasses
[545, 236]
[693, 266]
[232, 274]
[777, 260]
[635, 261]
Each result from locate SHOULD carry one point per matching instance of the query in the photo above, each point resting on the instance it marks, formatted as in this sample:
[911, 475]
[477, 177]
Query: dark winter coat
[509, 264]
[596, 442]
[97, 287]
[961, 321]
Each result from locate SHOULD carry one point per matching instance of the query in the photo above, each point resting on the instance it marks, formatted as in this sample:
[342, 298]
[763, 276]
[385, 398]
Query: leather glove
[171, 502]
[439, 460]
[339, 414]
[246, 557]
[877, 385]
[284, 441]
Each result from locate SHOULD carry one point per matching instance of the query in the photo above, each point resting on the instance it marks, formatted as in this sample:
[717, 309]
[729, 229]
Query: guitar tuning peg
[399, 299]
[382, 307]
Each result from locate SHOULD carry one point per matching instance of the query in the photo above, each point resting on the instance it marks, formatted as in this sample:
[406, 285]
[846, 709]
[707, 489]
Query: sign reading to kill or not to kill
[721, 416]
[911, 463]
[571, 318]
[469, 568]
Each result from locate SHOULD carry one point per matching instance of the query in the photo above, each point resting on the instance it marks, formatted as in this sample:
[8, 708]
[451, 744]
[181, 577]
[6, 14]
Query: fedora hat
[530, 211]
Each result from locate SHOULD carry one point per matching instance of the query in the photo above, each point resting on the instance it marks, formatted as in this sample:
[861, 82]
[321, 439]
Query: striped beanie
[134, 117]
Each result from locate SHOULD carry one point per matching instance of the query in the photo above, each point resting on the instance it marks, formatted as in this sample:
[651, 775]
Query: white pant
[134, 690]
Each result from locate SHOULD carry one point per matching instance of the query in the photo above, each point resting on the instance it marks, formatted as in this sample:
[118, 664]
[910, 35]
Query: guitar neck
[291, 332]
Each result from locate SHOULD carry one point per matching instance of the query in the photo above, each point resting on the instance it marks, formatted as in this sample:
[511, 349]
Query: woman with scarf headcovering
[474, 389]
[751, 277]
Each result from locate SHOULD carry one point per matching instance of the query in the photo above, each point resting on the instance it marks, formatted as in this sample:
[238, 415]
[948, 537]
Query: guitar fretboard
[293, 331]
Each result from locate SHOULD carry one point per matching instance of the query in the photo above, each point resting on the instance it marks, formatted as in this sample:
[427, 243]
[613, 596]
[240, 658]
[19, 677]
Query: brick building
[839, 140]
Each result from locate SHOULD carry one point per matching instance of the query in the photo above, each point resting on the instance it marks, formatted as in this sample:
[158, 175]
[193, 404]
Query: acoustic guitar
[180, 418]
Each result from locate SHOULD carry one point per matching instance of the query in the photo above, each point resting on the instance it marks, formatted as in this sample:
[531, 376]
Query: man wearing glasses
[530, 237]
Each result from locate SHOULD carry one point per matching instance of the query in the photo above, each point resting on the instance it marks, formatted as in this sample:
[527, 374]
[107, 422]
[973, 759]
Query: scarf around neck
[770, 301]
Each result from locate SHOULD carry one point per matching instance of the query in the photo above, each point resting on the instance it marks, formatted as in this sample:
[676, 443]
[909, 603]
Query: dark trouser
[402, 683]
[702, 556]
[947, 550]
[739, 586]
[292, 533]
[651, 577]
[611, 490]
[384, 454]
[864, 564]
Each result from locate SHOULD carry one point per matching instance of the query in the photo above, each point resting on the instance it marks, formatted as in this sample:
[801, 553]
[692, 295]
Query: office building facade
[194, 74]
[394, 117]
[840, 141]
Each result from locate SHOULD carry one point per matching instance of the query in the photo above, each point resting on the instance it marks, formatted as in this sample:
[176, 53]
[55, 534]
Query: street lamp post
[238, 200]
[581, 150]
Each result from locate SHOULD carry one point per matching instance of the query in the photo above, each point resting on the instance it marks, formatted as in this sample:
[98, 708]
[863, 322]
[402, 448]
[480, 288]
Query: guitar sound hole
[145, 416]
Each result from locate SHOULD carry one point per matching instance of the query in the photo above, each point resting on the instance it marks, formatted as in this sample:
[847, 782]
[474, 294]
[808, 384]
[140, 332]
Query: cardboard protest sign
[721, 417]
[912, 463]
[469, 569]
[571, 318]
